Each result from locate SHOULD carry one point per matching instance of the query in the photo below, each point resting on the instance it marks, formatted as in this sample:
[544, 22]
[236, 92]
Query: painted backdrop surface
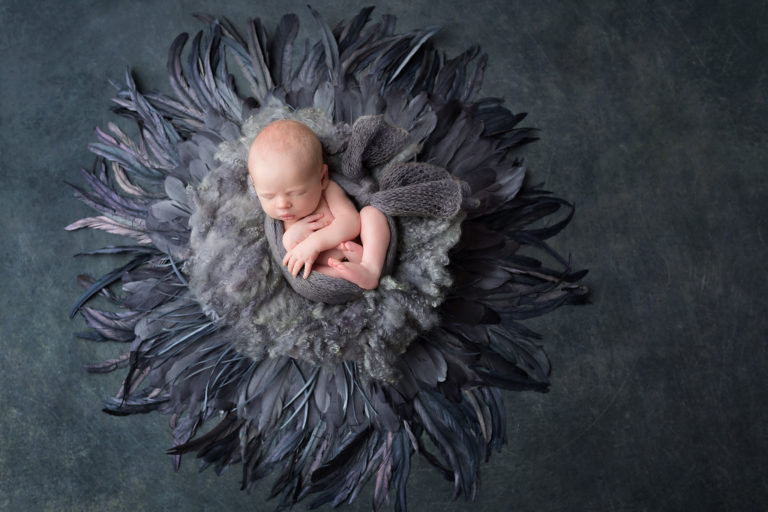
[653, 121]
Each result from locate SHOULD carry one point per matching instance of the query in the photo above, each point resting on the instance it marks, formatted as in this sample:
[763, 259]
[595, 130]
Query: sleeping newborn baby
[322, 227]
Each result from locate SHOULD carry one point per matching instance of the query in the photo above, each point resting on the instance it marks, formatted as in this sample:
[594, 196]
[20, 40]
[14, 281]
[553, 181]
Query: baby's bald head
[286, 166]
[286, 137]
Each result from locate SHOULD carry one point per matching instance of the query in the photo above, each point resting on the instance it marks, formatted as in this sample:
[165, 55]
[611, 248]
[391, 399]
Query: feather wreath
[206, 316]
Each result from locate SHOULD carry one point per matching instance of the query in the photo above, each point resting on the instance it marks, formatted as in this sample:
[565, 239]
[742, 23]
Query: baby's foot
[364, 277]
[352, 251]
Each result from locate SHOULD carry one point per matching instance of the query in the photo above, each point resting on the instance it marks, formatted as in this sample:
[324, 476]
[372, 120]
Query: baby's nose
[283, 202]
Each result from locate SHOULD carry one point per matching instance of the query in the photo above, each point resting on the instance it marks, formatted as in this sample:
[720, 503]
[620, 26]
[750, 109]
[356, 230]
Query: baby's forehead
[288, 133]
[285, 141]
[287, 137]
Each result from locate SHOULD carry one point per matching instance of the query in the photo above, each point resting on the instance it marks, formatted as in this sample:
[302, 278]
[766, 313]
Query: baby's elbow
[351, 226]
[288, 242]
[356, 225]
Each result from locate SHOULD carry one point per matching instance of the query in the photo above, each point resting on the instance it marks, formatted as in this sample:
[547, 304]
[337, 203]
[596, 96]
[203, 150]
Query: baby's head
[285, 163]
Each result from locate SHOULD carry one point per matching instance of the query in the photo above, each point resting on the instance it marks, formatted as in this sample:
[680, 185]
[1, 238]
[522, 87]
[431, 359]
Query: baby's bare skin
[296, 232]
[320, 222]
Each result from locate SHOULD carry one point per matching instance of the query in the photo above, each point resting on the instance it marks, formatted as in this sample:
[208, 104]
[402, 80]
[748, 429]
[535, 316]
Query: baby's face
[287, 185]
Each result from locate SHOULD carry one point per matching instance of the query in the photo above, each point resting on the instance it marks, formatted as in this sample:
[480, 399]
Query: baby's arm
[346, 219]
[345, 226]
[299, 231]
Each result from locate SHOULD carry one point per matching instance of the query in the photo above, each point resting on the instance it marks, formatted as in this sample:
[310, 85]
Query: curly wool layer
[238, 283]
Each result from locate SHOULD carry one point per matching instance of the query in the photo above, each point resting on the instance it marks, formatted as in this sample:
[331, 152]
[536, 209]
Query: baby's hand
[296, 234]
[303, 255]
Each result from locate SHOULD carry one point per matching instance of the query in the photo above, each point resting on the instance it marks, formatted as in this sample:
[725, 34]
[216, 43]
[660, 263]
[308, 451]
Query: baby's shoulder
[333, 191]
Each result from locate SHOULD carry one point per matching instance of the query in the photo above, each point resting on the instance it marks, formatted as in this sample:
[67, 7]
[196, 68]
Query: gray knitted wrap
[238, 278]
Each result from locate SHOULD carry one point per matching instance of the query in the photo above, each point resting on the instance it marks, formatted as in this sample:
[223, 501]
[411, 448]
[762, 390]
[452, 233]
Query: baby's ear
[324, 176]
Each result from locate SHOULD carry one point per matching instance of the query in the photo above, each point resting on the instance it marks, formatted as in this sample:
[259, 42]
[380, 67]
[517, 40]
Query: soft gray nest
[238, 283]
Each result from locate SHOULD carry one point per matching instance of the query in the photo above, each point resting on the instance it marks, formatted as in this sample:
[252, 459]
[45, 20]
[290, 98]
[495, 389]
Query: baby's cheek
[266, 206]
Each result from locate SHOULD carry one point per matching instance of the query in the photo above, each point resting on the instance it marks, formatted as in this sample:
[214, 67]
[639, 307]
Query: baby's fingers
[294, 267]
[289, 261]
[317, 224]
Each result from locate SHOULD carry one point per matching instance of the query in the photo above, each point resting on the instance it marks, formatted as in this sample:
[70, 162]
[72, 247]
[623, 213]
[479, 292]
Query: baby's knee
[371, 214]
[374, 228]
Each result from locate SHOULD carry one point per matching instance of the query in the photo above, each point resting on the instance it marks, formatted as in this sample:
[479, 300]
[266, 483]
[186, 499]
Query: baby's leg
[326, 270]
[374, 235]
[352, 251]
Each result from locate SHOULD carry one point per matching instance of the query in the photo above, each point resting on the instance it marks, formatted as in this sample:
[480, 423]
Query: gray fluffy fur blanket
[238, 283]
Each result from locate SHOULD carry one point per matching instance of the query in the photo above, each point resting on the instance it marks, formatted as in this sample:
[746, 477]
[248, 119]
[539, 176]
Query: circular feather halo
[321, 425]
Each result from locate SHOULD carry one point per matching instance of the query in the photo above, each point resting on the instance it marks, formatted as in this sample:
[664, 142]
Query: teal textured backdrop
[653, 121]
